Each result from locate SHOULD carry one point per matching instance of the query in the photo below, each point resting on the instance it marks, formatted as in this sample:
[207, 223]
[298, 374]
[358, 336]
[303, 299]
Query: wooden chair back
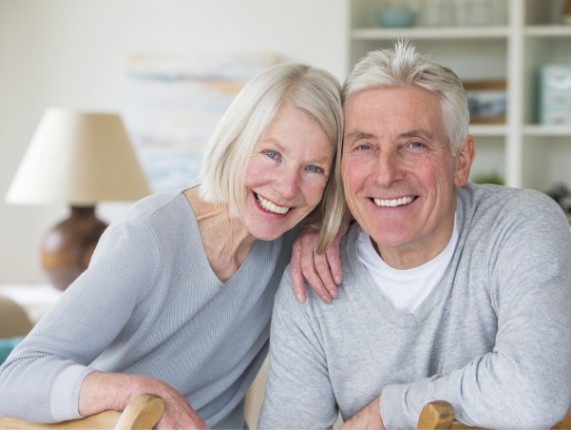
[440, 415]
[142, 413]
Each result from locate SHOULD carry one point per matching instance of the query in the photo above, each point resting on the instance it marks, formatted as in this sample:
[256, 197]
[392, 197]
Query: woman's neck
[225, 239]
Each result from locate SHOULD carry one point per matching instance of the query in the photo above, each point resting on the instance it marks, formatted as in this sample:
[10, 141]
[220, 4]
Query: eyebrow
[417, 133]
[411, 133]
[358, 135]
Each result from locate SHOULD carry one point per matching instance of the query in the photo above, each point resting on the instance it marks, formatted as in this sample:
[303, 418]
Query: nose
[287, 181]
[389, 168]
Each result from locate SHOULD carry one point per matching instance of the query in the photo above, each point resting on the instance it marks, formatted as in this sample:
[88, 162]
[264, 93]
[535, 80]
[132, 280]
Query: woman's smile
[270, 206]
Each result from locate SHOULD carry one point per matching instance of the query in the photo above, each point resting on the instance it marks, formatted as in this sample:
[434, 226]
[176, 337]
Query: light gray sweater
[493, 337]
[149, 304]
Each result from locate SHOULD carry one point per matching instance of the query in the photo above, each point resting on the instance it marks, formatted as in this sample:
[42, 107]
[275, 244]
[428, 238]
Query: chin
[261, 233]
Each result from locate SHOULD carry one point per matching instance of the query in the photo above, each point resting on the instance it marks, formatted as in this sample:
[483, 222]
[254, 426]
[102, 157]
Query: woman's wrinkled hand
[321, 271]
[101, 391]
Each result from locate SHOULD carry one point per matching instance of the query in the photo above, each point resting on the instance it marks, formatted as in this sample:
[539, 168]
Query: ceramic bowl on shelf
[395, 18]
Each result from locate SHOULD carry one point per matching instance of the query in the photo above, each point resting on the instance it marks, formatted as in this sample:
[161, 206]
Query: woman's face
[286, 174]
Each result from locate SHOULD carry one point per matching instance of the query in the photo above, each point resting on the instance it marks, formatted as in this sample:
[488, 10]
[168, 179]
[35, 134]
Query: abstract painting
[172, 104]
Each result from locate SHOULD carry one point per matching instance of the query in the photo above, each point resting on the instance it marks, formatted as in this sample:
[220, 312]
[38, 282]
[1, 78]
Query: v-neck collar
[366, 282]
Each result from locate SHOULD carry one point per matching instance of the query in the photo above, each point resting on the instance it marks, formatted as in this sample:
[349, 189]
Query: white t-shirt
[405, 289]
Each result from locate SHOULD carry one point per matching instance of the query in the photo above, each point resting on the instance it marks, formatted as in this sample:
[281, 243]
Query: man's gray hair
[403, 66]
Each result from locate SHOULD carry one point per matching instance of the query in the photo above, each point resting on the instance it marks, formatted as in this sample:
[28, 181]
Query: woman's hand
[323, 272]
[102, 391]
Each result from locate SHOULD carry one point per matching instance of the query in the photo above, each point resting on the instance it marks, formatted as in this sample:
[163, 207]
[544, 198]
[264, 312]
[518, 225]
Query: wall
[73, 53]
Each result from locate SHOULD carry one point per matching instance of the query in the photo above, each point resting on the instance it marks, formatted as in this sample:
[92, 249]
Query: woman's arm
[41, 379]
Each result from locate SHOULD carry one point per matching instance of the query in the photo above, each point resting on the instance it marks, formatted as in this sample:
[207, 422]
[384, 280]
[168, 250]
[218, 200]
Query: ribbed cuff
[64, 400]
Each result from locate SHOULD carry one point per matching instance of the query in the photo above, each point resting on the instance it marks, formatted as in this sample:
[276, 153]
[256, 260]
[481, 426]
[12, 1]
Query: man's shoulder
[500, 201]
[313, 306]
[494, 193]
[510, 218]
[285, 298]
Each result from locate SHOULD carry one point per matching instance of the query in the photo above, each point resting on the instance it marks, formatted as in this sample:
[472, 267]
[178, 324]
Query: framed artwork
[172, 104]
[487, 101]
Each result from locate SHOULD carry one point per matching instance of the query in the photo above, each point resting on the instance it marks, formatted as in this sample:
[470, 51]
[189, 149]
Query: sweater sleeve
[525, 381]
[41, 379]
[298, 390]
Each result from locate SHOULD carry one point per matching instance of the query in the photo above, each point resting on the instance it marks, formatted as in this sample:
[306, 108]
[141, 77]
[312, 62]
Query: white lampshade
[78, 158]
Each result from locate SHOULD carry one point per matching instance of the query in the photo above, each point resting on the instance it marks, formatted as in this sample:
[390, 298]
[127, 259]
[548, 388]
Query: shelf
[533, 36]
[488, 130]
[488, 32]
[547, 130]
[428, 33]
[548, 31]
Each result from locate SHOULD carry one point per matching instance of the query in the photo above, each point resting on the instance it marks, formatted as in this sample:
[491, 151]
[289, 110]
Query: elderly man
[450, 290]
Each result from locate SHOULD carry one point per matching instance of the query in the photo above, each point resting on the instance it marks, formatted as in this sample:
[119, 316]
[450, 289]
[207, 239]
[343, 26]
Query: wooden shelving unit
[523, 152]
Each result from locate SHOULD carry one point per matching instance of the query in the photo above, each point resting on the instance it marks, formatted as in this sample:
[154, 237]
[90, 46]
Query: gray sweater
[493, 337]
[149, 304]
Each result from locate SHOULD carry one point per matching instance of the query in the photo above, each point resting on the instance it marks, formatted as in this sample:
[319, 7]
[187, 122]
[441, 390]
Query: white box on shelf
[555, 89]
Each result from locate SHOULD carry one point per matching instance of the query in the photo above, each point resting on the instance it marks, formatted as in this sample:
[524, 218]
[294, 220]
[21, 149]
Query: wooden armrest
[102, 421]
[142, 413]
[564, 424]
[436, 415]
[440, 415]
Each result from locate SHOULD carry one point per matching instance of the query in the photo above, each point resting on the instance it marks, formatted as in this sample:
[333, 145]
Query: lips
[271, 207]
[393, 203]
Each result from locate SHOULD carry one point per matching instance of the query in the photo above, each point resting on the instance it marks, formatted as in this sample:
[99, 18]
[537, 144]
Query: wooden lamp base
[567, 12]
[68, 246]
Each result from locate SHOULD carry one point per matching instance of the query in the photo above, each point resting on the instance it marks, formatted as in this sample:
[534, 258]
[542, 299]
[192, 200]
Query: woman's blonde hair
[313, 90]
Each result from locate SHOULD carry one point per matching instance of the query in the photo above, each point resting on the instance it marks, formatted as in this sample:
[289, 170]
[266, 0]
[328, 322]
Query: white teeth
[269, 206]
[393, 203]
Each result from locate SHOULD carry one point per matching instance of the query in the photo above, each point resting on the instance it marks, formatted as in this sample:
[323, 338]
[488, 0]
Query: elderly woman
[178, 297]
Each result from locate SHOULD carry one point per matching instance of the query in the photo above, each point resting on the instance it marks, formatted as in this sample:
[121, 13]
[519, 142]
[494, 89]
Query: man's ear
[464, 159]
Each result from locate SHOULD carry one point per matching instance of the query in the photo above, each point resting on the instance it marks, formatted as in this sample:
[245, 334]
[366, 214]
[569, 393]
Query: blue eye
[416, 145]
[363, 147]
[315, 169]
[272, 154]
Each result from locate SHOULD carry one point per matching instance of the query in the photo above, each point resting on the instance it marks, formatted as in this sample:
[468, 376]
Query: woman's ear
[464, 159]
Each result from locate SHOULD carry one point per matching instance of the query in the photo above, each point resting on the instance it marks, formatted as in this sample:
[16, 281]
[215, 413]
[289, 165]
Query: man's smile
[392, 203]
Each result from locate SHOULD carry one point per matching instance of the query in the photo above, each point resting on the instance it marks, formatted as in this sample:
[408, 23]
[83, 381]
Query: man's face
[399, 174]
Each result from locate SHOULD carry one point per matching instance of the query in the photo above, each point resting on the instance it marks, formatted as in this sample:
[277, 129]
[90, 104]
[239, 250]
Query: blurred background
[76, 54]
[95, 55]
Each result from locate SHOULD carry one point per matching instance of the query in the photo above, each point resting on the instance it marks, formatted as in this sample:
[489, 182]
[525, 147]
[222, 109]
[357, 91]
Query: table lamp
[81, 159]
